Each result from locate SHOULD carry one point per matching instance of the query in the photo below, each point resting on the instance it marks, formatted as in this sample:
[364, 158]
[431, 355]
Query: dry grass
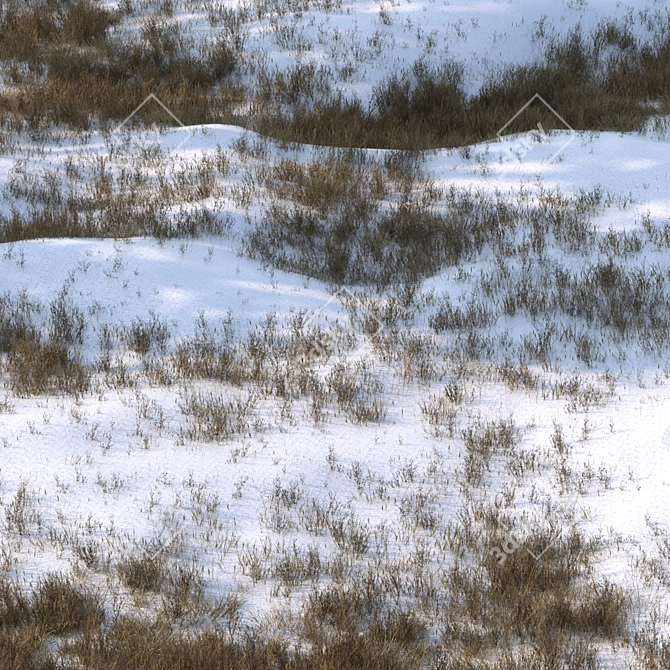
[57, 606]
[37, 368]
[56, 53]
[440, 411]
[213, 417]
[424, 590]
[43, 360]
[357, 392]
[76, 69]
[601, 80]
[362, 606]
[351, 231]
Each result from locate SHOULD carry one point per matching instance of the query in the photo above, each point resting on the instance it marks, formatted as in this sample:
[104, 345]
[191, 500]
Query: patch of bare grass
[212, 417]
[37, 368]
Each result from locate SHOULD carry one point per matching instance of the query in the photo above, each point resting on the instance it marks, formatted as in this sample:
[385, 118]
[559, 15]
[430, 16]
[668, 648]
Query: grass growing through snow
[420, 589]
[390, 568]
[110, 60]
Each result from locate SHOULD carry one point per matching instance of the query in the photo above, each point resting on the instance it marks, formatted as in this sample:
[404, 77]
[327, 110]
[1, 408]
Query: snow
[71, 453]
[368, 41]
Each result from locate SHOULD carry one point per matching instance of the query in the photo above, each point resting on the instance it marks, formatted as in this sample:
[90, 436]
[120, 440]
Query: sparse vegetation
[403, 477]
[215, 418]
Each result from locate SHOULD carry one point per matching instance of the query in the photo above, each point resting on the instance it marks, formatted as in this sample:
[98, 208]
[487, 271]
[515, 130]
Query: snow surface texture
[114, 465]
[365, 42]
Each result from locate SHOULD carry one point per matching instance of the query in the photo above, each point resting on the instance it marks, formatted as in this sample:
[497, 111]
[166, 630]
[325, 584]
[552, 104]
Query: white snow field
[411, 449]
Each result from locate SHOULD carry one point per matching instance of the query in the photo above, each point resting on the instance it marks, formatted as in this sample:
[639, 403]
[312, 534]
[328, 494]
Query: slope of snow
[112, 467]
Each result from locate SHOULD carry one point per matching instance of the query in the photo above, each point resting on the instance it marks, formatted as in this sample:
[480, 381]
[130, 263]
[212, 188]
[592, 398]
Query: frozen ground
[362, 43]
[114, 468]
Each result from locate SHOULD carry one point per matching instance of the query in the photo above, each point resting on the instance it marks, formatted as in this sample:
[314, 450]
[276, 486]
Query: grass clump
[37, 368]
[17, 320]
[334, 222]
[57, 606]
[357, 391]
[548, 600]
[212, 417]
[144, 572]
[145, 335]
[211, 353]
[441, 410]
[117, 216]
[38, 359]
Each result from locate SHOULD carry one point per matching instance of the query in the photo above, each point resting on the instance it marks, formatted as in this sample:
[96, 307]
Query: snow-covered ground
[362, 43]
[114, 468]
